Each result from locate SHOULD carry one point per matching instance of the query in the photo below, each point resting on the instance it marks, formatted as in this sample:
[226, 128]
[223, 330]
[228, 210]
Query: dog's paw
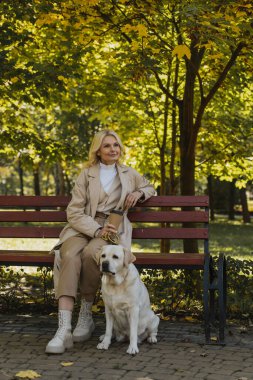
[103, 345]
[132, 350]
[152, 339]
[101, 338]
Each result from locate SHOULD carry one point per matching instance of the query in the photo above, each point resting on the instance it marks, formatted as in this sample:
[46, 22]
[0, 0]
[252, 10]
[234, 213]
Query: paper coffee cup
[115, 218]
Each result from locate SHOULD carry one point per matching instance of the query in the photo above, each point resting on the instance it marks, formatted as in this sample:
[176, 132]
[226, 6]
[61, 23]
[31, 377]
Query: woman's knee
[91, 251]
[67, 257]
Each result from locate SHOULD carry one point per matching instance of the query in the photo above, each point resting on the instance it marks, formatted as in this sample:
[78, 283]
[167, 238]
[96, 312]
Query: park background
[174, 79]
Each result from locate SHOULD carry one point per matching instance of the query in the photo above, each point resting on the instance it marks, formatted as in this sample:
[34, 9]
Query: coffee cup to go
[115, 218]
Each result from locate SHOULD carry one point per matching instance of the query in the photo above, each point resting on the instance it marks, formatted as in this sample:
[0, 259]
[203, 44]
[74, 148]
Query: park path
[179, 354]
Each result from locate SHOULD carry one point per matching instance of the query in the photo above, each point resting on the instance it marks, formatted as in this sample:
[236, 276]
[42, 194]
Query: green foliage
[21, 291]
[70, 68]
[240, 287]
[173, 293]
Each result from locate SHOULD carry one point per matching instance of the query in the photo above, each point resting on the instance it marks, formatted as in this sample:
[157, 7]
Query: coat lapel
[94, 188]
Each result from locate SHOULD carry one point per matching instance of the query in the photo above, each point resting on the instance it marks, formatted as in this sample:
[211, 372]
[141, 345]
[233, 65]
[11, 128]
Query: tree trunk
[68, 184]
[244, 204]
[173, 181]
[59, 179]
[188, 134]
[36, 181]
[21, 177]
[165, 243]
[231, 201]
[211, 198]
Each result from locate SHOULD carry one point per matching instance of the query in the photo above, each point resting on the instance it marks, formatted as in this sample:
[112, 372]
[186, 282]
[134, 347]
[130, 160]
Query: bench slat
[30, 232]
[176, 201]
[138, 233]
[146, 259]
[62, 201]
[170, 233]
[169, 216]
[37, 258]
[147, 216]
[33, 216]
[34, 201]
[172, 259]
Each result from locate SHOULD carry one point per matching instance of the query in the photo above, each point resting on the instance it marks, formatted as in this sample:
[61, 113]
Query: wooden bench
[161, 217]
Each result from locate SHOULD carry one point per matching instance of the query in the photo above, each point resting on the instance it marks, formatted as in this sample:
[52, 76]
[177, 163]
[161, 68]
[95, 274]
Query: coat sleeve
[76, 216]
[145, 186]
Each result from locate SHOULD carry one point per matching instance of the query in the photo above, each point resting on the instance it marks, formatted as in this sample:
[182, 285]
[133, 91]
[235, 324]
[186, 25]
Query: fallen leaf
[67, 364]
[29, 374]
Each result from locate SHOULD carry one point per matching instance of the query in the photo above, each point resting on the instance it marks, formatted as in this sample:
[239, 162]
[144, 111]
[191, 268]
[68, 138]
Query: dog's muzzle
[105, 267]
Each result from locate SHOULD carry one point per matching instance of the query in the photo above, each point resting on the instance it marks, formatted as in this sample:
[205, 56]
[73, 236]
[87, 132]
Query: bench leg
[208, 297]
[222, 296]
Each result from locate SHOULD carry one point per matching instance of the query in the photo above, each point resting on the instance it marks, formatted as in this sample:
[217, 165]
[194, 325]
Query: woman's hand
[108, 228]
[132, 199]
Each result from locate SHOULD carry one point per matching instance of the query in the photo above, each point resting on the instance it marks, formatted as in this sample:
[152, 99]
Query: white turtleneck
[107, 175]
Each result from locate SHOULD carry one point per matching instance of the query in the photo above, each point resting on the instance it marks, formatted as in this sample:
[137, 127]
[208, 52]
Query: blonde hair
[96, 143]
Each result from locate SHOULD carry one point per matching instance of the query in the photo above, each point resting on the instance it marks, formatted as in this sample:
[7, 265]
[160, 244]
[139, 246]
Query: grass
[230, 237]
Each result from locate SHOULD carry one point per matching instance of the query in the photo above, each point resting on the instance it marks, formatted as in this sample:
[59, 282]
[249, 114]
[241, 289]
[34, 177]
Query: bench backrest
[165, 217]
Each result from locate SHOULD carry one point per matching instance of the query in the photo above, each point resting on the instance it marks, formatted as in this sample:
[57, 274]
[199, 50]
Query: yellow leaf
[216, 56]
[93, 2]
[181, 51]
[127, 28]
[135, 46]
[142, 30]
[190, 319]
[155, 51]
[14, 79]
[95, 309]
[67, 364]
[29, 374]
[208, 45]
[235, 28]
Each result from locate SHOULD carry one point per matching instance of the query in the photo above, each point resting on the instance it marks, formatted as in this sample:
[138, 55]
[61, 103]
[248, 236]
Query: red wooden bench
[161, 217]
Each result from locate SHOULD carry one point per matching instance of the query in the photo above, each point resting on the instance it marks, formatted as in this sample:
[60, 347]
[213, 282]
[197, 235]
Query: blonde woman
[105, 184]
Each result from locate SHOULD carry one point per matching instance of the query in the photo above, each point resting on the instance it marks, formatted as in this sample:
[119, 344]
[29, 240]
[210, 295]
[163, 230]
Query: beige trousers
[79, 266]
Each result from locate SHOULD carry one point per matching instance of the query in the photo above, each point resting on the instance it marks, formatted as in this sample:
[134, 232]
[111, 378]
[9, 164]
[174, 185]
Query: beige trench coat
[83, 206]
[85, 195]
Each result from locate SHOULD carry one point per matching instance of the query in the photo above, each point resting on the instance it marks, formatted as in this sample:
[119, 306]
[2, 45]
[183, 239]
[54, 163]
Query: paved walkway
[179, 354]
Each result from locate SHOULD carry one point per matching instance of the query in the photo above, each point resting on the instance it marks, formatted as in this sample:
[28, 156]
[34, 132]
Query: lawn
[233, 238]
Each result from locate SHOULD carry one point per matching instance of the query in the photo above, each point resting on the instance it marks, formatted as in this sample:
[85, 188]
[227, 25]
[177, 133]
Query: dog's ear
[128, 257]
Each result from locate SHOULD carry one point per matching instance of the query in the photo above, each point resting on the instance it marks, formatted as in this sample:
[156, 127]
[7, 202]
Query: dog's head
[113, 259]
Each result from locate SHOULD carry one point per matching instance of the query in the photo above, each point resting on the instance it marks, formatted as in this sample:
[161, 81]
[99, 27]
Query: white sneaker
[85, 325]
[63, 337]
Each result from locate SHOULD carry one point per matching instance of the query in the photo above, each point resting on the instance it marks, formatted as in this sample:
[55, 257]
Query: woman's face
[109, 151]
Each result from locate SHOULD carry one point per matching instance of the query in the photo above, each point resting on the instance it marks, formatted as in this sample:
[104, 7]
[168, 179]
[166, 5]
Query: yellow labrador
[127, 305]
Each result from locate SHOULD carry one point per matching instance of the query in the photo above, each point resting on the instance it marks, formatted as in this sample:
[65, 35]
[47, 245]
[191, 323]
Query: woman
[102, 186]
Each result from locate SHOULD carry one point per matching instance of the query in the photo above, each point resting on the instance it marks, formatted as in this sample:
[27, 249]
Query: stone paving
[179, 354]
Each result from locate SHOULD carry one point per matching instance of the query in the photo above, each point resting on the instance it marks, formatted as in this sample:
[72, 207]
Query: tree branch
[217, 84]
[164, 89]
